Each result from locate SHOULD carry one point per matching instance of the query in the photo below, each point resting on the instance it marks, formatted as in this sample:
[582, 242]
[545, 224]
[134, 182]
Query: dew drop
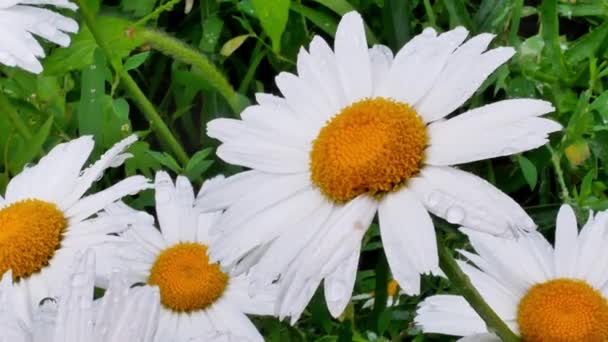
[455, 215]
[433, 199]
[79, 280]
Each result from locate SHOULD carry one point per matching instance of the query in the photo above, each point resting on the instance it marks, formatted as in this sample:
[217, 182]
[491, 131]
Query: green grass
[230, 54]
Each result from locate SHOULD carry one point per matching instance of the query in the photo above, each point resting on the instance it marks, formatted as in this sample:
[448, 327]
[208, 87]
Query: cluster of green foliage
[208, 63]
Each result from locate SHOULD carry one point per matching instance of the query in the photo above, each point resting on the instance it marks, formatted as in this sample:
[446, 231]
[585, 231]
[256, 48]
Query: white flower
[542, 293]
[45, 218]
[22, 20]
[123, 314]
[200, 300]
[360, 132]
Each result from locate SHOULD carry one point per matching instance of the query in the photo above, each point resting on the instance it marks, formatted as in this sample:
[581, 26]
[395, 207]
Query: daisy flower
[21, 20]
[123, 314]
[542, 293]
[45, 217]
[357, 132]
[200, 301]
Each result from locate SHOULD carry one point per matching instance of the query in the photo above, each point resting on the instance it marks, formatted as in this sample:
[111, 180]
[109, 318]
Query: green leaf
[79, 54]
[588, 45]
[32, 148]
[166, 160]
[135, 61]
[586, 185]
[233, 44]
[458, 13]
[323, 21]
[92, 91]
[273, 17]
[529, 170]
[212, 28]
[198, 165]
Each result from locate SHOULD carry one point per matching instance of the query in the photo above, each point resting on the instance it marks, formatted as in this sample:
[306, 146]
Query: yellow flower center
[373, 146]
[563, 310]
[392, 288]
[187, 281]
[30, 233]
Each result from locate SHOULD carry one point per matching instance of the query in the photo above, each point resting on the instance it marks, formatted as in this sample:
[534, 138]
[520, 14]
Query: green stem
[516, 9]
[555, 159]
[461, 281]
[140, 99]
[6, 107]
[157, 12]
[429, 13]
[380, 294]
[186, 54]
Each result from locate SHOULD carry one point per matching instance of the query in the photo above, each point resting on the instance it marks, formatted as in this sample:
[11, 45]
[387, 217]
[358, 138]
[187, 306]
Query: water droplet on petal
[433, 199]
[455, 215]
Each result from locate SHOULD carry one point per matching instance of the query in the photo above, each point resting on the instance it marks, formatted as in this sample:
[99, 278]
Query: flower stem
[140, 99]
[188, 55]
[461, 281]
[6, 107]
[555, 159]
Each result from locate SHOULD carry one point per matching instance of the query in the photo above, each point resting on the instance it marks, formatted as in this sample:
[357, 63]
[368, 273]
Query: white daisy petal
[262, 227]
[263, 156]
[501, 300]
[20, 20]
[352, 57]
[308, 101]
[54, 175]
[408, 237]
[415, 71]
[487, 337]
[262, 303]
[174, 204]
[566, 236]
[311, 72]
[282, 251]
[91, 204]
[463, 198]
[340, 283]
[492, 131]
[327, 72]
[381, 58]
[464, 72]
[227, 191]
[450, 315]
[260, 198]
[114, 157]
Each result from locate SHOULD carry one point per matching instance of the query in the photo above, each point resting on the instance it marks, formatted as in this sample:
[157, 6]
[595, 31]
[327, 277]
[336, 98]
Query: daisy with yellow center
[200, 301]
[73, 315]
[542, 293]
[357, 132]
[45, 218]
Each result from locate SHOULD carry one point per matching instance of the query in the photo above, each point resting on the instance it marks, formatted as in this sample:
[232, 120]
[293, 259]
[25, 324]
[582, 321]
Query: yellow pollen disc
[187, 281]
[391, 288]
[373, 146]
[563, 310]
[30, 233]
